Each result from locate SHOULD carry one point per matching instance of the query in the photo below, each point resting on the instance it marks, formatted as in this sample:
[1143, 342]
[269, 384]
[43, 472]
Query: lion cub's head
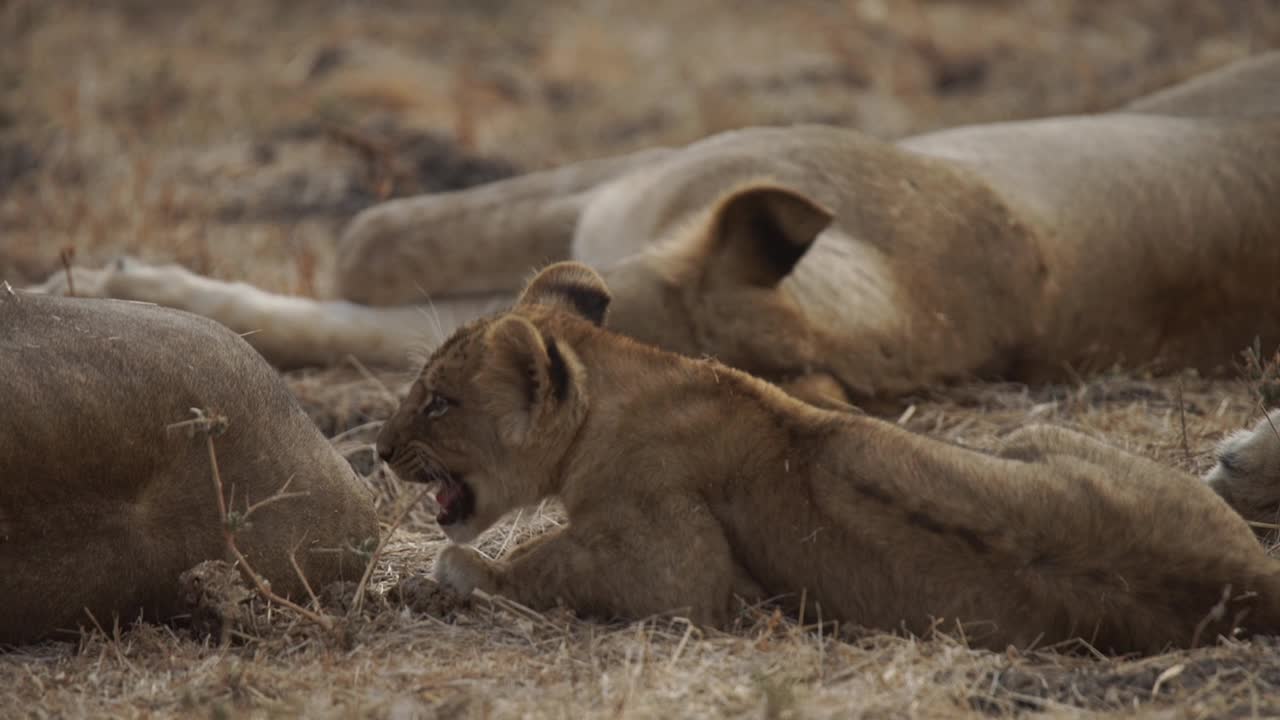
[498, 404]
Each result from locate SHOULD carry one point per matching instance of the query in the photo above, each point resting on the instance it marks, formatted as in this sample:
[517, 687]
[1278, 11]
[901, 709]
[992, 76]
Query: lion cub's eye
[436, 405]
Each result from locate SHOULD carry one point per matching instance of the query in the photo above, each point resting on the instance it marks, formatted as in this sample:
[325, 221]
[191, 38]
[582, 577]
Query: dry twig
[210, 425]
[357, 602]
[67, 254]
[1182, 420]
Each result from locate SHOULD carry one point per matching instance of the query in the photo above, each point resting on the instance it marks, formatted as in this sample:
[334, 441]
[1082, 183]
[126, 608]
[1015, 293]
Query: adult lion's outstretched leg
[409, 272]
[1247, 474]
[289, 331]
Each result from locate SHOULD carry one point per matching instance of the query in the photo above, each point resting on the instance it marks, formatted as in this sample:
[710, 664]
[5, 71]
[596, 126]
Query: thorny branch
[68, 254]
[211, 425]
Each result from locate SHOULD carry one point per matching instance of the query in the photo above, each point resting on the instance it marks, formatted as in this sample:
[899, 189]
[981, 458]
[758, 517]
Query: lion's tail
[1247, 474]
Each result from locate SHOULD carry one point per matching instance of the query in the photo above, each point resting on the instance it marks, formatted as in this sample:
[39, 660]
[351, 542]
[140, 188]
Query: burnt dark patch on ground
[810, 78]
[381, 161]
[960, 76]
[17, 160]
[442, 165]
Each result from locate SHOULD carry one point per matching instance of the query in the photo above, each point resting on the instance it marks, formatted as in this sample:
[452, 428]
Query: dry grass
[237, 137]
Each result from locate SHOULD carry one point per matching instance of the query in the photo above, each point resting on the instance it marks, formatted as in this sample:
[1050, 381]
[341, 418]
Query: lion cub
[687, 483]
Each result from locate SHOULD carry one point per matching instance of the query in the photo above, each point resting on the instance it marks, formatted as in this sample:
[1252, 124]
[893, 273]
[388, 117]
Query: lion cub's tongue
[449, 495]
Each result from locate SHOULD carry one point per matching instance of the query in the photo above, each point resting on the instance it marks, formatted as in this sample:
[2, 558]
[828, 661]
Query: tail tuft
[1247, 474]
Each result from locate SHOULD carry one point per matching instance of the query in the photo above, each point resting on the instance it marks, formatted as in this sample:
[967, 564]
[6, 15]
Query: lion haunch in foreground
[103, 504]
[687, 483]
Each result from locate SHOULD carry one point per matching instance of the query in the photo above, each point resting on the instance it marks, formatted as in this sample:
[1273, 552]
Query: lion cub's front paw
[463, 569]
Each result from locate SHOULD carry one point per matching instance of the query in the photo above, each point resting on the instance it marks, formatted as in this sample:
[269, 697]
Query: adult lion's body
[1024, 250]
[103, 504]
[687, 483]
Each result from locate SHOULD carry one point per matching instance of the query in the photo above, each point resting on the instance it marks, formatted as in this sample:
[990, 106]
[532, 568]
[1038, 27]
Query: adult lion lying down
[103, 504]
[687, 483]
[839, 264]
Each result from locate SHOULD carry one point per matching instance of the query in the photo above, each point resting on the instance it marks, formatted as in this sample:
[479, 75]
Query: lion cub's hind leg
[818, 389]
[1149, 552]
[1247, 474]
[1255, 457]
[1039, 442]
[613, 567]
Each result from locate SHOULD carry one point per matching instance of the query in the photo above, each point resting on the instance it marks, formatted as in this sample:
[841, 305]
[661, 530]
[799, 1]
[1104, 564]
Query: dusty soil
[238, 137]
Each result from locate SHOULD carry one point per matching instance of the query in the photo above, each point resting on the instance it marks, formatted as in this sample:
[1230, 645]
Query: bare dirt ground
[237, 137]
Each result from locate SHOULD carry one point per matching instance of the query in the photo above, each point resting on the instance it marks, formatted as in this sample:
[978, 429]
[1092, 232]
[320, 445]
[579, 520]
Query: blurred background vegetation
[237, 136]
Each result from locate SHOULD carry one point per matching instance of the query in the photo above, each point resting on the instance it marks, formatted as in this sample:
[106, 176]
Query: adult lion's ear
[572, 287]
[528, 378]
[758, 234]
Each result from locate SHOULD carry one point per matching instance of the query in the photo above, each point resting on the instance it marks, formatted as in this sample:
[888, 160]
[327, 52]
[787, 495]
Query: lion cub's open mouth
[455, 499]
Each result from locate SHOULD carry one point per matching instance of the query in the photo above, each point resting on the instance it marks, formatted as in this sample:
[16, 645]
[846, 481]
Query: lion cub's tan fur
[687, 483]
[105, 498]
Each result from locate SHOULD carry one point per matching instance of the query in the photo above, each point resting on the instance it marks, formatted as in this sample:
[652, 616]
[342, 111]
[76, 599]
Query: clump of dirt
[217, 598]
[338, 597]
[423, 595]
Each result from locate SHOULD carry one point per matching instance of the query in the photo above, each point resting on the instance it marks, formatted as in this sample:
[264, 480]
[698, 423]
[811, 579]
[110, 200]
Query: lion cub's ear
[572, 287]
[759, 233]
[531, 380]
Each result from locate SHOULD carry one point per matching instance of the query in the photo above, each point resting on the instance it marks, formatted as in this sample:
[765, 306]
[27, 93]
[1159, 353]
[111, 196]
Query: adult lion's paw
[82, 282]
[463, 569]
[116, 279]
